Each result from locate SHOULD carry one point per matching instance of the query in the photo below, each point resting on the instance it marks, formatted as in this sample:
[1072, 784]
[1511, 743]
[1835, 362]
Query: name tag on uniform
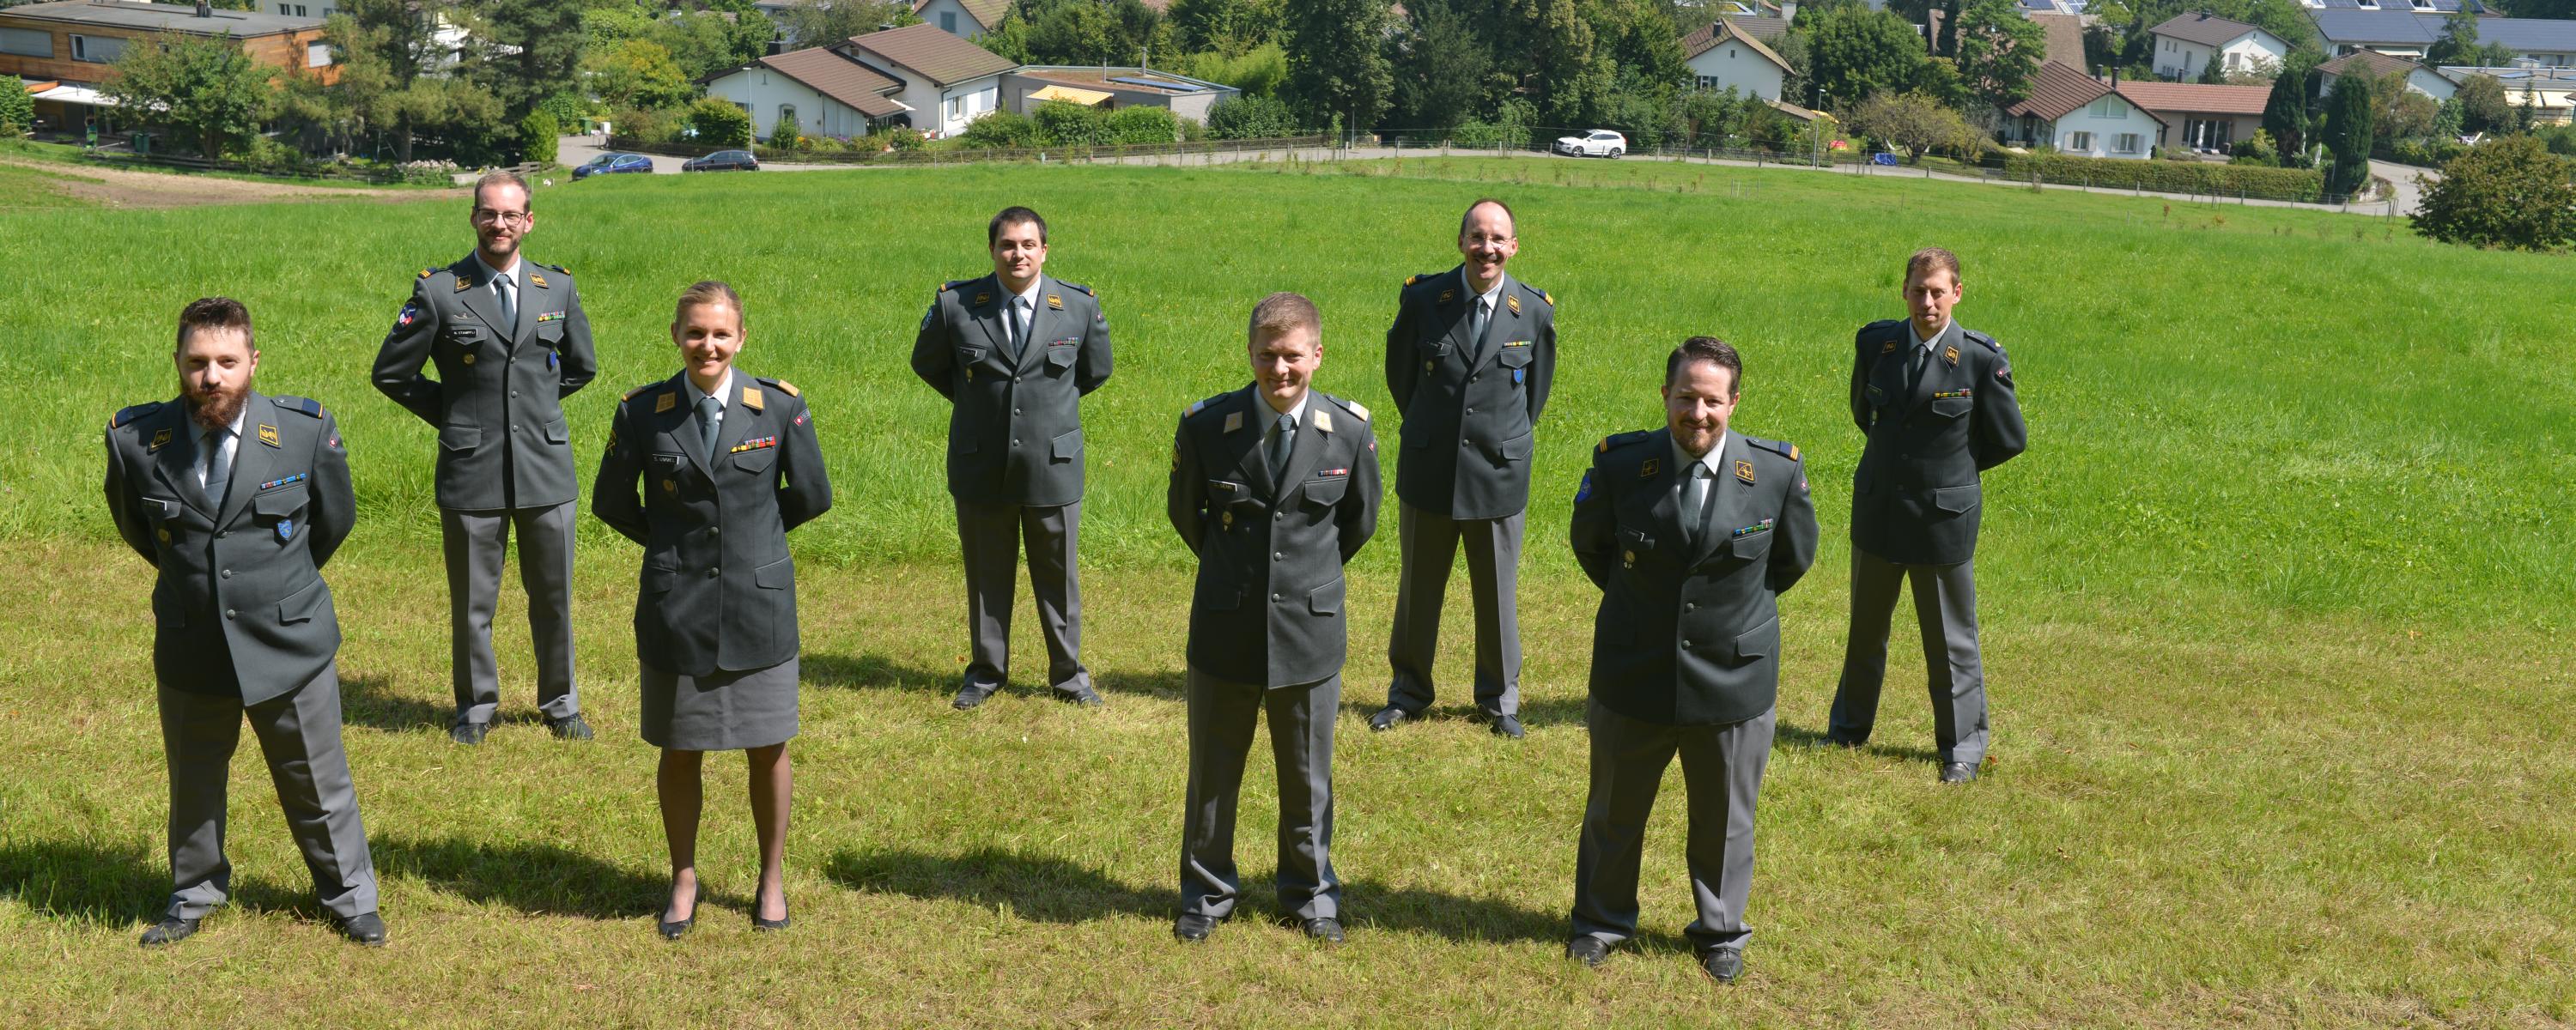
[754, 445]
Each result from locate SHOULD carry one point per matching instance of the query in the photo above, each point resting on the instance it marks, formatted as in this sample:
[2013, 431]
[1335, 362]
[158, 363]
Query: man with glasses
[510, 342]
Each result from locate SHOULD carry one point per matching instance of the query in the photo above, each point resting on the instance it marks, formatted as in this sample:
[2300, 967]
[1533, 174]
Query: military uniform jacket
[498, 398]
[1014, 428]
[1689, 628]
[244, 575]
[1268, 607]
[1468, 405]
[1916, 496]
[718, 590]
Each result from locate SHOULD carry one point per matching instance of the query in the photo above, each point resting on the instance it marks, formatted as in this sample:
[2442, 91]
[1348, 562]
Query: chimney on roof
[1788, 10]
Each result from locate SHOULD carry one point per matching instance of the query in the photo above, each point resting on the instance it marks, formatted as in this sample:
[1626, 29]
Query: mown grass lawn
[2277, 614]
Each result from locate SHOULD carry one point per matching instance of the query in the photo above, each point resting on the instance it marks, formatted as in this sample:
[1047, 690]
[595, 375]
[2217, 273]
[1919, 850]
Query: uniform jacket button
[1685, 643]
[222, 533]
[1274, 597]
[715, 530]
[711, 573]
[229, 613]
[1015, 443]
[227, 573]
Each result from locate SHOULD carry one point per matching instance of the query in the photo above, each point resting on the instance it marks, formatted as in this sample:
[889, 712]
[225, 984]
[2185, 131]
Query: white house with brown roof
[2186, 44]
[1111, 88]
[2204, 119]
[964, 19]
[2419, 79]
[828, 92]
[2081, 116]
[947, 81]
[1722, 56]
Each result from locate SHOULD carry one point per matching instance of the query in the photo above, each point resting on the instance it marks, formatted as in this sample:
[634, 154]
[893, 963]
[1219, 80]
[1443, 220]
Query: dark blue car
[613, 164]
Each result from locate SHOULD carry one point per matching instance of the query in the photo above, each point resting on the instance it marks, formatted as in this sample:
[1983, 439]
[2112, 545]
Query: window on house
[299, 10]
[2079, 141]
[948, 22]
[2110, 107]
[317, 55]
[286, 8]
[956, 108]
[787, 113]
[27, 43]
[2125, 143]
[97, 49]
[2367, 5]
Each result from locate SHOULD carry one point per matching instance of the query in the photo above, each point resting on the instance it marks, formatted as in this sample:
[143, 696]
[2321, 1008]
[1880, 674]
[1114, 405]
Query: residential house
[2549, 92]
[2203, 119]
[828, 93]
[2418, 6]
[2081, 116]
[74, 44]
[2551, 42]
[2186, 44]
[2419, 79]
[1721, 57]
[1023, 89]
[2065, 38]
[947, 81]
[964, 19]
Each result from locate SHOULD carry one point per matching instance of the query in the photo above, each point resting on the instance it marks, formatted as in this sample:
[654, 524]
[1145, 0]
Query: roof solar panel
[1176, 87]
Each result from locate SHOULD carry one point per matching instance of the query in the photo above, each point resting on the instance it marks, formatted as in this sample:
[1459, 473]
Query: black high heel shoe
[759, 925]
[672, 931]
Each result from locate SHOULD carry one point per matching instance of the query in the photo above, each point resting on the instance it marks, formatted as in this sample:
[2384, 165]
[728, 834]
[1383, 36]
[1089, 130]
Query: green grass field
[2277, 616]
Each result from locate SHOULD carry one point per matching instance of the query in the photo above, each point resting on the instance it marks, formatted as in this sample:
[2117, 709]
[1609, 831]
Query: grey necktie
[219, 469]
[508, 288]
[1282, 442]
[1017, 327]
[1914, 371]
[1476, 326]
[1695, 499]
[710, 413]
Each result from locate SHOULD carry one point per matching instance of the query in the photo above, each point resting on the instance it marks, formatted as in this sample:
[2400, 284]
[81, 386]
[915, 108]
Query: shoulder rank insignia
[1744, 471]
[1448, 295]
[306, 405]
[1233, 421]
[561, 268]
[1786, 450]
[1647, 470]
[463, 284]
[1512, 301]
[536, 280]
[1055, 301]
[1543, 295]
[1412, 279]
[1193, 408]
[752, 399]
[160, 439]
[130, 413]
[784, 387]
[1358, 409]
[1323, 421]
[1887, 348]
[982, 299]
[949, 285]
[268, 435]
[630, 394]
[668, 400]
[1950, 356]
[1078, 288]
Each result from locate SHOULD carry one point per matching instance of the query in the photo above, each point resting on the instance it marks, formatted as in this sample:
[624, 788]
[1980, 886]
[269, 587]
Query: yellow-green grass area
[2275, 611]
[75, 155]
[25, 187]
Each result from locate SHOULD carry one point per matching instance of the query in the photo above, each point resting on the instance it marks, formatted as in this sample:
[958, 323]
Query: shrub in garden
[2508, 192]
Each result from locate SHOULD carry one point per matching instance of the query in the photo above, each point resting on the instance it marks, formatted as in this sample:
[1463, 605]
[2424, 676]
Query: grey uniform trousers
[1945, 607]
[475, 542]
[1429, 542]
[1721, 775]
[1222, 717]
[989, 538]
[299, 734]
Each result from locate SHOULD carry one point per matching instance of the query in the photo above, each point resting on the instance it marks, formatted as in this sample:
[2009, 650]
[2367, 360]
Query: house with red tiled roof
[826, 92]
[2204, 119]
[2082, 116]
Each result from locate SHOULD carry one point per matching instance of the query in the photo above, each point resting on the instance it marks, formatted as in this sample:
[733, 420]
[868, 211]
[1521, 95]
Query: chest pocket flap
[1515, 356]
[1062, 352]
[280, 502]
[1952, 407]
[1327, 491]
[756, 460]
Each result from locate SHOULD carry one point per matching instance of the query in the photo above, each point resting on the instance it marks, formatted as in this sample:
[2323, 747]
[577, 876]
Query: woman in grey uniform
[708, 470]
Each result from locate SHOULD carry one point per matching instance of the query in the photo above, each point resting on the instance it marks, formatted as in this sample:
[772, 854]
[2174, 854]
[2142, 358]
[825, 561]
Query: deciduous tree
[206, 90]
[1337, 61]
[1999, 50]
[2507, 192]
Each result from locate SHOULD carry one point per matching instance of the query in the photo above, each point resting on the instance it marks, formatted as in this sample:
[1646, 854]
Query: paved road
[2409, 195]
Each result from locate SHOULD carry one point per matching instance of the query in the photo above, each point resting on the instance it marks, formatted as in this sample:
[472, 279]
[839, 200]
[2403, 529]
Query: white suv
[1597, 143]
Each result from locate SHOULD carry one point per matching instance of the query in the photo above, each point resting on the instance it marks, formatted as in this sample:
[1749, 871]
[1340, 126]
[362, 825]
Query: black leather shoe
[759, 925]
[570, 727]
[671, 931]
[1722, 964]
[170, 930]
[1194, 927]
[1588, 949]
[1507, 726]
[1958, 772]
[1080, 698]
[1388, 717]
[468, 733]
[1326, 929]
[969, 695]
[365, 928]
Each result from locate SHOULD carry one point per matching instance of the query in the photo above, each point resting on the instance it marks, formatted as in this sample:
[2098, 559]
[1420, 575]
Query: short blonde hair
[1281, 313]
[1929, 260]
[710, 291]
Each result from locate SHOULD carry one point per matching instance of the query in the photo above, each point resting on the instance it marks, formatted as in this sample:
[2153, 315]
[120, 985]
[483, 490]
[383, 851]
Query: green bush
[17, 112]
[720, 123]
[1250, 117]
[2169, 176]
[1476, 134]
[1137, 126]
[2433, 153]
[537, 134]
[1192, 130]
[644, 125]
[786, 131]
[2508, 192]
[1064, 124]
[999, 130]
[906, 138]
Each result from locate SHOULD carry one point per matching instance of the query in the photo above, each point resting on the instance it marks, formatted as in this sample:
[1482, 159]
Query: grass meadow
[2278, 614]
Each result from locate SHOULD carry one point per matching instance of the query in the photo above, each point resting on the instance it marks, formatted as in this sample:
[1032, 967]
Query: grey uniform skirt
[720, 711]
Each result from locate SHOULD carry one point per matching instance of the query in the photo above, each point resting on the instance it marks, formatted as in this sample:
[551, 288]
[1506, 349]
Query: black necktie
[1281, 442]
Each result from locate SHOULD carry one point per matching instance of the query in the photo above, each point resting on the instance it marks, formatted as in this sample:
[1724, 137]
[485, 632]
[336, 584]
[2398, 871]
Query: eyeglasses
[487, 216]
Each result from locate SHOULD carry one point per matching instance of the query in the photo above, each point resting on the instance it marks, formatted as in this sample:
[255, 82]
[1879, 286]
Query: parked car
[1596, 143]
[614, 164]
[723, 161]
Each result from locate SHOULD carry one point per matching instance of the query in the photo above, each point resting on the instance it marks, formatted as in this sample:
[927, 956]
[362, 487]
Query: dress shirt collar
[1922, 342]
[490, 273]
[1493, 297]
[723, 394]
[1716, 454]
[1272, 414]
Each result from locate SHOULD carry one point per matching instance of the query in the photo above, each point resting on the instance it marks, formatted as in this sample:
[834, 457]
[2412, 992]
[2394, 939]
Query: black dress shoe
[1958, 772]
[1588, 949]
[468, 733]
[969, 695]
[1327, 929]
[1723, 964]
[170, 930]
[1508, 726]
[365, 928]
[1080, 698]
[671, 931]
[759, 925]
[570, 727]
[1388, 717]
[1194, 927]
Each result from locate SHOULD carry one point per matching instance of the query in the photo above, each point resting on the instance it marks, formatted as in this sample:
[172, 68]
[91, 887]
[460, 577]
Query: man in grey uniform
[1274, 487]
[1468, 361]
[238, 499]
[1015, 352]
[1692, 532]
[510, 342]
[1936, 401]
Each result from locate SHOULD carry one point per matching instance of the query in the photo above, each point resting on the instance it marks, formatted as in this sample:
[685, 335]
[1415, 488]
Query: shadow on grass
[878, 672]
[370, 701]
[1046, 889]
[539, 879]
[1788, 734]
[84, 882]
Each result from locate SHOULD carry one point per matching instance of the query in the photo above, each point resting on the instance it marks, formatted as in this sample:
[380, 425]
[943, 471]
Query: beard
[217, 408]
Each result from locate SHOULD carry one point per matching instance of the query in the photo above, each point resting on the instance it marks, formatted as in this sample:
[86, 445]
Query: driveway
[2402, 177]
